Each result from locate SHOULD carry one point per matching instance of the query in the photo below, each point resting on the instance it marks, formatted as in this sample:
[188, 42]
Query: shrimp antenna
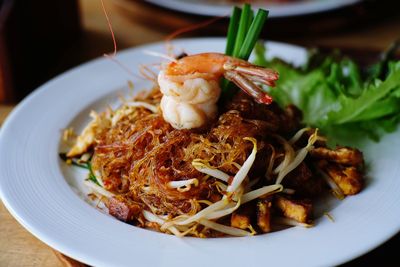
[193, 27]
[189, 28]
[112, 56]
[122, 66]
[161, 55]
[110, 27]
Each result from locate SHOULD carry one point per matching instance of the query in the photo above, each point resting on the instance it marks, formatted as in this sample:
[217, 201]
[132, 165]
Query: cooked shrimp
[190, 86]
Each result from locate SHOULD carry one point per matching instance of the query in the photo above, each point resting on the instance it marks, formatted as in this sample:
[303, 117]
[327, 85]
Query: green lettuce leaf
[335, 95]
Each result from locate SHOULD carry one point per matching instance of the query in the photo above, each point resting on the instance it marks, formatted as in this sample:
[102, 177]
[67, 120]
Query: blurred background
[41, 39]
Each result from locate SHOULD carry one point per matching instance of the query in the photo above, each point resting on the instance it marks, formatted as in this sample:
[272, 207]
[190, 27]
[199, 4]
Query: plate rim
[42, 89]
[290, 10]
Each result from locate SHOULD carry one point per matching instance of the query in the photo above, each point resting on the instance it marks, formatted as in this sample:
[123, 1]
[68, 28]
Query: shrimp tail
[248, 87]
[245, 76]
[262, 74]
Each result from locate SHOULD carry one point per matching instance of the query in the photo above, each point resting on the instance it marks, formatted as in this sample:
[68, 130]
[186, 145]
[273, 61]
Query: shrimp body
[188, 104]
[206, 64]
[190, 86]
[191, 90]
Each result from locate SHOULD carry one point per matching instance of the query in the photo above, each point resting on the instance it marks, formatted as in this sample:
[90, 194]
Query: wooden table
[19, 248]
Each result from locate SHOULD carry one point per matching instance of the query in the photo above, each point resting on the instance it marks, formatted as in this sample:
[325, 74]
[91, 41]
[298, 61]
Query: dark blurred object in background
[293, 29]
[33, 36]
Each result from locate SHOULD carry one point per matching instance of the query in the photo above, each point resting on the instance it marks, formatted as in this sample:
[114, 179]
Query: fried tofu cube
[264, 215]
[241, 218]
[299, 210]
[341, 155]
[241, 221]
[349, 179]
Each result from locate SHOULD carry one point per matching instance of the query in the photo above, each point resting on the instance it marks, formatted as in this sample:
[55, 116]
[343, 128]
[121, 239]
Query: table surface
[19, 248]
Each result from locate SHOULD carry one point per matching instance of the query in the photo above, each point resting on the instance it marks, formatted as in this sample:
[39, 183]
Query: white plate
[48, 199]
[224, 8]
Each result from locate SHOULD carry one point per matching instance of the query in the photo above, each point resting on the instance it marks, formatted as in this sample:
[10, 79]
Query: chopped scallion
[242, 36]
[243, 28]
[73, 161]
[253, 34]
[84, 165]
[92, 176]
[232, 30]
